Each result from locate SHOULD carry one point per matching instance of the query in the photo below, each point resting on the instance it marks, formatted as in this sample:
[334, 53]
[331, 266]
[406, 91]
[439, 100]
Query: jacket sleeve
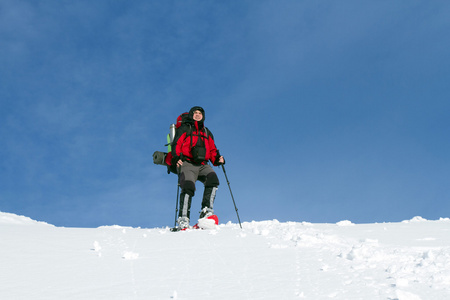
[213, 152]
[177, 142]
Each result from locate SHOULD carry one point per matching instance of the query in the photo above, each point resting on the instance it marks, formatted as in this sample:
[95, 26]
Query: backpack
[173, 129]
[165, 158]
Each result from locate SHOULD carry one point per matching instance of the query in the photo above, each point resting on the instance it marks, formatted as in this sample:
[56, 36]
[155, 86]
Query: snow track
[266, 260]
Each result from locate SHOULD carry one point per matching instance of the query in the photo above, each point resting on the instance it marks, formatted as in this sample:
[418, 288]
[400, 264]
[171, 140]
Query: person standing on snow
[193, 146]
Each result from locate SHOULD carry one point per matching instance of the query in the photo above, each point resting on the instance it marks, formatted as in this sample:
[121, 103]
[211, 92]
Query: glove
[216, 162]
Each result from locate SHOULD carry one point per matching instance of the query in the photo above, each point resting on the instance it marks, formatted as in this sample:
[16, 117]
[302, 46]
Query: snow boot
[206, 212]
[208, 201]
[185, 205]
[183, 223]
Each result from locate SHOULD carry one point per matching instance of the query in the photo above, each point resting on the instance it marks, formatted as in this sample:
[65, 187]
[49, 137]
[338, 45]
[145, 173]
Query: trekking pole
[176, 206]
[235, 207]
[178, 196]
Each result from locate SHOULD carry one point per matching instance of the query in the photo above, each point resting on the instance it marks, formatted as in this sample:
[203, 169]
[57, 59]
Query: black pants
[189, 174]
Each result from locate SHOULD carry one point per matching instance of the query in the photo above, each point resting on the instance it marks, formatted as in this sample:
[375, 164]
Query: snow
[264, 260]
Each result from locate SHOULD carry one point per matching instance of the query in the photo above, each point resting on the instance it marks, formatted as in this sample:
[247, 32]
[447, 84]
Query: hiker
[193, 146]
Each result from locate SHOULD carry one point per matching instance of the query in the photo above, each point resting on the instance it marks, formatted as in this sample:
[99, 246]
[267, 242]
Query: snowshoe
[177, 228]
[209, 222]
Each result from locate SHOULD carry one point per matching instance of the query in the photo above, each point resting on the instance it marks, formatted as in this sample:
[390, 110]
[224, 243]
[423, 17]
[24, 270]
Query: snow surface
[264, 260]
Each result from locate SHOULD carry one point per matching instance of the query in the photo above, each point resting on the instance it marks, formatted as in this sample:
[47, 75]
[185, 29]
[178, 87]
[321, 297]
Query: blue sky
[324, 110]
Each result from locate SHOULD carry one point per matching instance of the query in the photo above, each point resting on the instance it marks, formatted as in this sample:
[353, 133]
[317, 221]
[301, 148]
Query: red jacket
[188, 136]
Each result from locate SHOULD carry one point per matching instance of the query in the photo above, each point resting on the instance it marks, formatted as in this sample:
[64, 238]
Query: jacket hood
[191, 113]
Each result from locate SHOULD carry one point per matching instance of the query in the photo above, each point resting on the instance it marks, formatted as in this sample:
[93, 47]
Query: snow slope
[265, 260]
